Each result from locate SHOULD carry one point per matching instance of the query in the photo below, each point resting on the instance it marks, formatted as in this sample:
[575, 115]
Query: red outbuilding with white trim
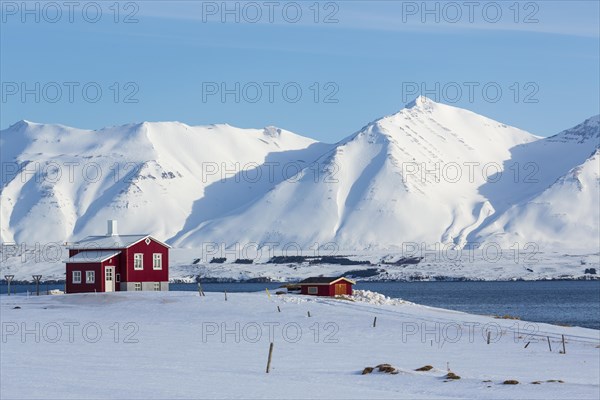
[326, 286]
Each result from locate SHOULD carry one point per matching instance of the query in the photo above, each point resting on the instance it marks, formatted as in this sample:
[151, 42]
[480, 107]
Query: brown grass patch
[386, 368]
[507, 316]
[510, 382]
[425, 368]
[451, 375]
[367, 370]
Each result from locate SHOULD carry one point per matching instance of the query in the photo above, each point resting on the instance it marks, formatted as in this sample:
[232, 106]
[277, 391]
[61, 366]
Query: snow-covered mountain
[61, 183]
[562, 207]
[430, 173]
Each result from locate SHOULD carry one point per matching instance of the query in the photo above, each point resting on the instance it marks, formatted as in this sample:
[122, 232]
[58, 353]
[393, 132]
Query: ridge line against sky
[374, 59]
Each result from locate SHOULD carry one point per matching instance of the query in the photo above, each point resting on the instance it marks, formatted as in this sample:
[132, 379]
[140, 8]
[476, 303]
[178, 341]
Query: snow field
[181, 345]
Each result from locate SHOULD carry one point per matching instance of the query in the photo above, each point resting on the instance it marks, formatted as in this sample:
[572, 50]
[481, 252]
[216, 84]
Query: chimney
[112, 228]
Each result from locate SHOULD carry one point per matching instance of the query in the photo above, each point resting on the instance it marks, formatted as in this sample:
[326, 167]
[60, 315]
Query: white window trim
[135, 286]
[93, 275]
[73, 276]
[141, 261]
[313, 290]
[117, 277]
[157, 286]
[154, 267]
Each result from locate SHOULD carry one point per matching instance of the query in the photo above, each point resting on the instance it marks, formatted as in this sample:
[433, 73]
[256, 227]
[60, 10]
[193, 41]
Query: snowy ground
[484, 264]
[488, 263]
[181, 345]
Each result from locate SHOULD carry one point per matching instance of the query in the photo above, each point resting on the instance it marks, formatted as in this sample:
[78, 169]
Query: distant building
[326, 286]
[117, 263]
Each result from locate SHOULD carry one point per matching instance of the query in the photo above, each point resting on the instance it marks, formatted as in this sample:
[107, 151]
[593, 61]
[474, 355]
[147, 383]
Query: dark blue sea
[575, 303]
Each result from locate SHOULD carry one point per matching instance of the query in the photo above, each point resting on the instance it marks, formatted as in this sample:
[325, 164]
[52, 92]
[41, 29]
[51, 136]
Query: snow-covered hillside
[430, 173]
[561, 209]
[61, 183]
[403, 178]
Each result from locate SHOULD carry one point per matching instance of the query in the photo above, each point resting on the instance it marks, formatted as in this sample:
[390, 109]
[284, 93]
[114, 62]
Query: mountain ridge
[428, 173]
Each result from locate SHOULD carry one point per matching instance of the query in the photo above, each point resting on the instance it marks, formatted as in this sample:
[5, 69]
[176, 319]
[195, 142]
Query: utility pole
[9, 279]
[37, 279]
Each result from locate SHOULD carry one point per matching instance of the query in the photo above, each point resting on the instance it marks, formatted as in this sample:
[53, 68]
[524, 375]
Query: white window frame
[313, 290]
[78, 274]
[157, 286]
[155, 257]
[139, 256]
[89, 274]
[137, 285]
[117, 277]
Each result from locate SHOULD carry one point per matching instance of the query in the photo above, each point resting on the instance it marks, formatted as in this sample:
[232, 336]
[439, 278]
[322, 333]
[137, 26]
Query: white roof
[92, 256]
[110, 242]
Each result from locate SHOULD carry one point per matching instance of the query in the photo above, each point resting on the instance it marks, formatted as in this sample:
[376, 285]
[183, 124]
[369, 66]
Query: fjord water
[575, 303]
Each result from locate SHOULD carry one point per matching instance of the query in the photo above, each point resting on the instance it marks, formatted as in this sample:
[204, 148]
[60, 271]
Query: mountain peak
[421, 102]
[587, 130]
[22, 124]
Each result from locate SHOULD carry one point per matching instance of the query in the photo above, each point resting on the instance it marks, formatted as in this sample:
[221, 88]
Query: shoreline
[214, 280]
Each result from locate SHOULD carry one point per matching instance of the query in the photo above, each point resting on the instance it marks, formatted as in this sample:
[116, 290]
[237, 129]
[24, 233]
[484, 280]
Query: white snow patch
[370, 297]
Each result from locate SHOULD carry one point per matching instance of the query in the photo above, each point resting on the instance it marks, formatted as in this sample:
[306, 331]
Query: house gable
[147, 248]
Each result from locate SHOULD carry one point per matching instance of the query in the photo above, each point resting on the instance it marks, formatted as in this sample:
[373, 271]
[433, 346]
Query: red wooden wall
[84, 287]
[327, 290]
[147, 274]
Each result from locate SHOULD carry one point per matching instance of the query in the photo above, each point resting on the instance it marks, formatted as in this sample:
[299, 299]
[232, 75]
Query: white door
[109, 279]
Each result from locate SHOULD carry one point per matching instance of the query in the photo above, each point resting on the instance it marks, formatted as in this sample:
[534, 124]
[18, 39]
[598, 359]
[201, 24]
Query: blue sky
[354, 62]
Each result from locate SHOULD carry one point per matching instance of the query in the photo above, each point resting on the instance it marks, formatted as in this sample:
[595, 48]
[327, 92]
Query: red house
[117, 263]
[326, 286]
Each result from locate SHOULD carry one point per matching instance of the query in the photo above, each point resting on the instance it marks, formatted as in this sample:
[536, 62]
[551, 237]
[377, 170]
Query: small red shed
[114, 262]
[326, 286]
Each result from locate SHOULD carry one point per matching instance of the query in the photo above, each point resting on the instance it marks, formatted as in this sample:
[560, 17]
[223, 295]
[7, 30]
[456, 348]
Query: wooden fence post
[270, 355]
